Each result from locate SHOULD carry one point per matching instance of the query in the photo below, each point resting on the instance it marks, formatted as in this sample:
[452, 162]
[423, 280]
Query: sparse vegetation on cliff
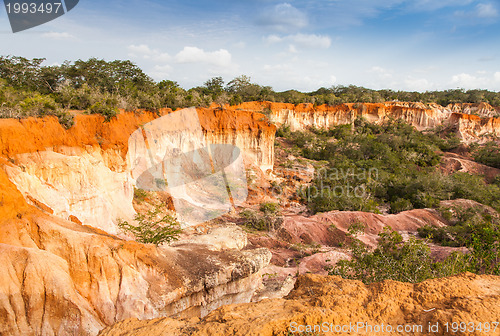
[268, 218]
[411, 261]
[153, 227]
[391, 164]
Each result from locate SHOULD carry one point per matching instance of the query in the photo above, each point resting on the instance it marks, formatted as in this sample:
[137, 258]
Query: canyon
[480, 126]
[65, 270]
[69, 270]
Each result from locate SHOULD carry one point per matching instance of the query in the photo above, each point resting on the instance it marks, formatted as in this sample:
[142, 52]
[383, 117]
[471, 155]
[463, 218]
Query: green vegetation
[28, 88]
[475, 228]
[411, 261]
[154, 227]
[140, 195]
[266, 219]
[397, 260]
[488, 154]
[391, 164]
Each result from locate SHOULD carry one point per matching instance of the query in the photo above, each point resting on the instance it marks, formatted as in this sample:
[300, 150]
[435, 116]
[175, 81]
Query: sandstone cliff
[61, 278]
[332, 301]
[470, 127]
[480, 109]
[61, 192]
[66, 273]
[84, 173]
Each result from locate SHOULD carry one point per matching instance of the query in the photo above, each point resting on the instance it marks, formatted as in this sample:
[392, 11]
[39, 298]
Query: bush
[406, 165]
[267, 219]
[283, 131]
[269, 208]
[140, 195]
[488, 154]
[401, 204]
[107, 108]
[476, 229]
[153, 227]
[395, 260]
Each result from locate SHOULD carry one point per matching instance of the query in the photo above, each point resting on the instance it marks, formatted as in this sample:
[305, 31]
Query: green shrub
[406, 164]
[269, 208]
[267, 219]
[38, 105]
[140, 195]
[283, 131]
[474, 228]
[396, 260]
[401, 204]
[153, 227]
[107, 108]
[488, 154]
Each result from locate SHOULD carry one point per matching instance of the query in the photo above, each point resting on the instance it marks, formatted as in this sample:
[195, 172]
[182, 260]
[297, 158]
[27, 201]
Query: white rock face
[75, 185]
[171, 154]
[95, 186]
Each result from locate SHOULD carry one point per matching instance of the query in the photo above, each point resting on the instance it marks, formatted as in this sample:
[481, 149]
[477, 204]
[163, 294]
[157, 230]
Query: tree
[154, 227]
[238, 84]
[214, 86]
[22, 73]
[396, 260]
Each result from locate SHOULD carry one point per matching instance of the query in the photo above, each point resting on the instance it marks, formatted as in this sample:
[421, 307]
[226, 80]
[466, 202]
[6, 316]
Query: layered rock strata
[325, 303]
[461, 117]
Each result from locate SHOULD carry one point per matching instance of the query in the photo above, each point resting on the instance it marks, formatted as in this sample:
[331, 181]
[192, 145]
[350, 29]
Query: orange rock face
[64, 273]
[61, 277]
[60, 190]
[470, 127]
[242, 128]
[327, 302]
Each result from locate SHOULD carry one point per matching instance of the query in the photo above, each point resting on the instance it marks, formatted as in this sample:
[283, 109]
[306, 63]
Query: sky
[413, 45]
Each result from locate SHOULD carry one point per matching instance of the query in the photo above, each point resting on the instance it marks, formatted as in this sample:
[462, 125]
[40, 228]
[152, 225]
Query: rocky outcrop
[329, 228]
[330, 302]
[452, 163]
[84, 173]
[480, 109]
[75, 184]
[63, 278]
[249, 130]
[61, 191]
[470, 127]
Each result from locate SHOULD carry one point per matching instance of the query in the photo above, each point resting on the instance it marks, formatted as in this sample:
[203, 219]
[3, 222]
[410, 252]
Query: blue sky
[398, 44]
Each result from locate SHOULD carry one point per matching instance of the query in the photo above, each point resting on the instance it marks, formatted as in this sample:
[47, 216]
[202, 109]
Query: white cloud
[272, 39]
[482, 13]
[431, 5]
[468, 81]
[278, 67]
[161, 72]
[240, 45]
[142, 49]
[302, 40]
[146, 52]
[311, 40]
[351, 13]
[333, 79]
[377, 69]
[417, 84]
[292, 49]
[380, 72]
[283, 17]
[221, 57]
[58, 36]
[486, 10]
